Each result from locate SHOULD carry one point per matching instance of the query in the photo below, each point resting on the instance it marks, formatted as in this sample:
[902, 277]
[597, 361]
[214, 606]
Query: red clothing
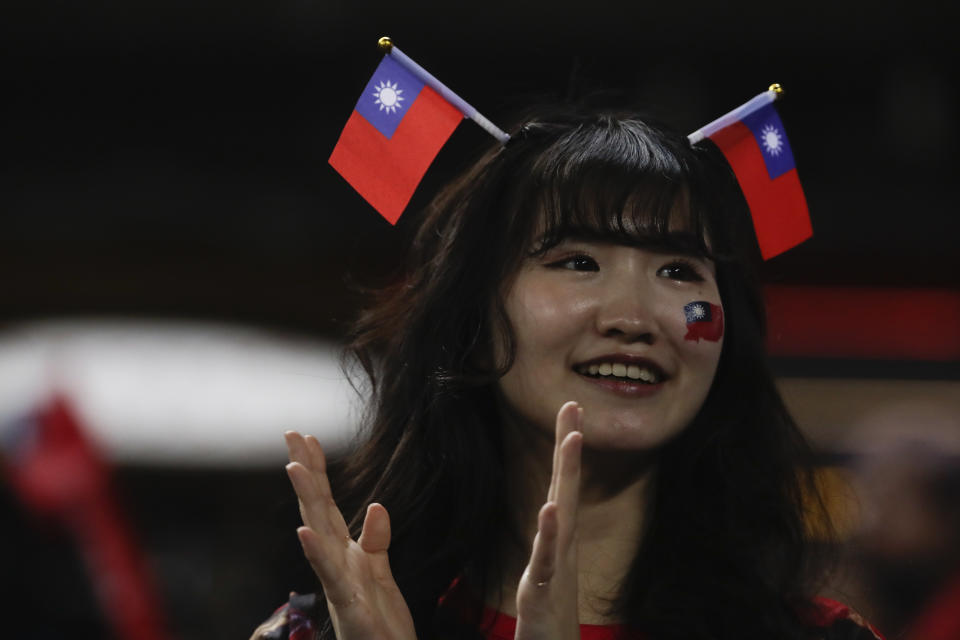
[838, 620]
[293, 621]
[831, 615]
[504, 626]
[499, 626]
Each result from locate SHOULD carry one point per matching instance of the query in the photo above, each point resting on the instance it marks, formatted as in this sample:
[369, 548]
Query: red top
[495, 625]
[504, 627]
[293, 621]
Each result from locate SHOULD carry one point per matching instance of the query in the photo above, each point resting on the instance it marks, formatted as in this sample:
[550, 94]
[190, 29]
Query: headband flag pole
[754, 142]
[756, 102]
[468, 111]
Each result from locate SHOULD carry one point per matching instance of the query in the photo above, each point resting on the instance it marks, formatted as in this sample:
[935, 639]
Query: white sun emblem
[772, 140]
[388, 96]
[698, 311]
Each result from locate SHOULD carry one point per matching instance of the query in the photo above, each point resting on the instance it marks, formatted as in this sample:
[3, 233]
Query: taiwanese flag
[704, 321]
[392, 136]
[757, 149]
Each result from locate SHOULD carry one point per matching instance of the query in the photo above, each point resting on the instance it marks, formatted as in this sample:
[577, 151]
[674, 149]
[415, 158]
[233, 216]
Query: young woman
[572, 426]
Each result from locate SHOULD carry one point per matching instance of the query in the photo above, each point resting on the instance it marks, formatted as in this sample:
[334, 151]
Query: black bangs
[615, 180]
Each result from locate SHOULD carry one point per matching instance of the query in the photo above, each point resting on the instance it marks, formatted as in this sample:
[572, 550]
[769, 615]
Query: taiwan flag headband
[405, 115]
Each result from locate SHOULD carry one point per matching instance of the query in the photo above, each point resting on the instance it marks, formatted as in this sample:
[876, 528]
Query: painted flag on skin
[704, 320]
[395, 131]
[757, 149]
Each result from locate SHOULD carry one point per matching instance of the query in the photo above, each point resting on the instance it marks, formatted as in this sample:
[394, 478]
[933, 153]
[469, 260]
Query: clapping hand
[362, 597]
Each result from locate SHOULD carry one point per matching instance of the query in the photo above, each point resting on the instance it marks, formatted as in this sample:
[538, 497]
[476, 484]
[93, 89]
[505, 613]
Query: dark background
[168, 159]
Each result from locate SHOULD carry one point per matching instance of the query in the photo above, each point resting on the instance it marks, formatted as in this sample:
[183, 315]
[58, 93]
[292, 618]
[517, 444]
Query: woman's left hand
[547, 594]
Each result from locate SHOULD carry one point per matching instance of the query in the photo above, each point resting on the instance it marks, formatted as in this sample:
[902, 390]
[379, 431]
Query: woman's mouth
[620, 371]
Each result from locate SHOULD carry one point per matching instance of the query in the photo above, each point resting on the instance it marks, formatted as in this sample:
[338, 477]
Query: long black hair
[724, 553]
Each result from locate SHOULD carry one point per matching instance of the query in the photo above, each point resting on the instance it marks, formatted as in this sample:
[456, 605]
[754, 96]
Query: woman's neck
[610, 520]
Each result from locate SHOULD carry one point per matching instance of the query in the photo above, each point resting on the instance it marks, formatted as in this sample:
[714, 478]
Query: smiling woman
[572, 427]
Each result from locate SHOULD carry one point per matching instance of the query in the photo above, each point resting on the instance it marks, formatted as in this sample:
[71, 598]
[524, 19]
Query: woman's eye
[576, 263]
[682, 271]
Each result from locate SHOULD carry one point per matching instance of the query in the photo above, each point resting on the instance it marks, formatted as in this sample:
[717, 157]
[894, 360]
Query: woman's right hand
[362, 597]
[547, 594]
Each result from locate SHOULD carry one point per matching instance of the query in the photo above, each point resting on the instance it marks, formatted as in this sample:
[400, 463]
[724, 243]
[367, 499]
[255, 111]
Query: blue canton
[387, 120]
[766, 122]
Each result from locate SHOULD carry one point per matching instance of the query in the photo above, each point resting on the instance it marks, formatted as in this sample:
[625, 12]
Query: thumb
[375, 536]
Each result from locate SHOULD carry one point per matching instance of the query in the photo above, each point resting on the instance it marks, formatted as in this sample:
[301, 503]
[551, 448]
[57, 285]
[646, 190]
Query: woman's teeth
[620, 370]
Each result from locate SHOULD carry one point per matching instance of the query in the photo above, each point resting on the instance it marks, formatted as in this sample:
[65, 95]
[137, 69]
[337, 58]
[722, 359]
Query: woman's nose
[626, 312]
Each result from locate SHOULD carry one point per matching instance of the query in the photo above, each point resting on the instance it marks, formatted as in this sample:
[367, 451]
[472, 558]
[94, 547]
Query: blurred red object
[941, 618]
[59, 475]
[863, 322]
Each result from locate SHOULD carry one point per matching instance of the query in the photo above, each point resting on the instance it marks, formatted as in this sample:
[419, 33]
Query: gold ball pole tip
[385, 44]
[777, 89]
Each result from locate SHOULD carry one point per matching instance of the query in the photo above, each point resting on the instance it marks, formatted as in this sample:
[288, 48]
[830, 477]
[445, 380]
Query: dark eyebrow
[675, 242]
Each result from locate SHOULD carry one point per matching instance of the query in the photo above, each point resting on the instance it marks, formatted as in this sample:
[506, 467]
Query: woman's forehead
[673, 229]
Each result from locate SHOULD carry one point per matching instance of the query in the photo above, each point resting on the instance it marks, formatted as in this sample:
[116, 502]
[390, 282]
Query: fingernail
[301, 532]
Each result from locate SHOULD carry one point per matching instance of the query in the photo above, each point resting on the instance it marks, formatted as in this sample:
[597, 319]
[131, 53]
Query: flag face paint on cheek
[704, 320]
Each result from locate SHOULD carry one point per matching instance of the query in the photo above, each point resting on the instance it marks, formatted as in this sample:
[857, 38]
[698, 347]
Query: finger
[307, 496]
[568, 488]
[375, 540]
[566, 422]
[317, 508]
[307, 452]
[328, 566]
[375, 536]
[310, 454]
[542, 563]
[296, 447]
[315, 455]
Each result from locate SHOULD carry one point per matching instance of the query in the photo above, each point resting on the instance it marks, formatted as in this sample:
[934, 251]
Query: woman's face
[607, 325]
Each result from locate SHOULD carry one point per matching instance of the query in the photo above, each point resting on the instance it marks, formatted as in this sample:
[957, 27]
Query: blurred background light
[180, 393]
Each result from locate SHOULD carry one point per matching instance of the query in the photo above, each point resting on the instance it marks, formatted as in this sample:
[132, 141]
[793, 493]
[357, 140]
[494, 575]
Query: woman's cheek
[539, 308]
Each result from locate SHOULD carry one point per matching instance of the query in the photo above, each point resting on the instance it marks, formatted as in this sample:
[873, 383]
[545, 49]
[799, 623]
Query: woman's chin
[628, 433]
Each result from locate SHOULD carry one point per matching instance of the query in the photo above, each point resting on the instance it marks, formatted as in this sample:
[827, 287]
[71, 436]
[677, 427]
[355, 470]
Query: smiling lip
[628, 386]
[625, 388]
[627, 360]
